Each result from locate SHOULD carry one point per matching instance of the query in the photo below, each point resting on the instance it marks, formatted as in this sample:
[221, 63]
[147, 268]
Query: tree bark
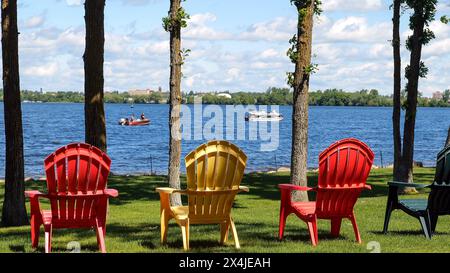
[397, 89]
[14, 212]
[299, 153]
[175, 102]
[406, 164]
[94, 112]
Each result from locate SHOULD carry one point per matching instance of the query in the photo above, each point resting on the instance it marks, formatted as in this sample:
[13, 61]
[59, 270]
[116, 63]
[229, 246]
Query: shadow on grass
[262, 185]
[406, 232]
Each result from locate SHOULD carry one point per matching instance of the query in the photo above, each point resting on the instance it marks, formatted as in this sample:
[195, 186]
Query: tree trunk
[14, 212]
[447, 142]
[406, 164]
[299, 153]
[175, 102]
[397, 89]
[94, 112]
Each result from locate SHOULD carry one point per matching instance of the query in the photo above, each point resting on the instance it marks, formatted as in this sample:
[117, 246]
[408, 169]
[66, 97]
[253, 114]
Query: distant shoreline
[190, 104]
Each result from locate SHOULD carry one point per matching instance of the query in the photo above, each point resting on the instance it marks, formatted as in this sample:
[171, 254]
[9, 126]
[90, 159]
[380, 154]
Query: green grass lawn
[133, 222]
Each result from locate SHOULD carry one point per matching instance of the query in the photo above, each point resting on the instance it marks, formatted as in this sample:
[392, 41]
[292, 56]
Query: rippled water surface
[142, 149]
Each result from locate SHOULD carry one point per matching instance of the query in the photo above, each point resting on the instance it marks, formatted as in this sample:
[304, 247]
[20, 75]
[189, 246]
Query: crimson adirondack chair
[343, 171]
[76, 183]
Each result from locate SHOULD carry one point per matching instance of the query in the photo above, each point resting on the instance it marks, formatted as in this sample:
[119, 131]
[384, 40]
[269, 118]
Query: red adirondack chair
[343, 171]
[76, 183]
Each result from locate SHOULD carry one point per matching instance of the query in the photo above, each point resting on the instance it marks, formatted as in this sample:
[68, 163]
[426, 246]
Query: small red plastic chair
[76, 183]
[343, 171]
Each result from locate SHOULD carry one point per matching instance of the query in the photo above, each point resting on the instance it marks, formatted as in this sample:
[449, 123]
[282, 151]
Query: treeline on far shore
[272, 96]
[328, 97]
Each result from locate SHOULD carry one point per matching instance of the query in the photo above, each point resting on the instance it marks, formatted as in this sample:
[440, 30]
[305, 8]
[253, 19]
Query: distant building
[224, 95]
[438, 95]
[138, 92]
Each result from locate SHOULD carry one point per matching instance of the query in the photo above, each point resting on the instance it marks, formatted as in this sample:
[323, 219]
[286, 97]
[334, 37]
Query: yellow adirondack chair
[214, 172]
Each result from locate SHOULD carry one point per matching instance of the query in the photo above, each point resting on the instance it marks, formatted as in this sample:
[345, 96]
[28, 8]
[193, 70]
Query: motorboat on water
[263, 116]
[136, 122]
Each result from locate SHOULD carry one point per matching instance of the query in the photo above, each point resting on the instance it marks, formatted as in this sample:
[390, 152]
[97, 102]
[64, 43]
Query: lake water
[144, 149]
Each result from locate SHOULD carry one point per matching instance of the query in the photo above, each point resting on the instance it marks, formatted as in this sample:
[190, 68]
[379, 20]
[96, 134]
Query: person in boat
[143, 116]
[132, 118]
[127, 121]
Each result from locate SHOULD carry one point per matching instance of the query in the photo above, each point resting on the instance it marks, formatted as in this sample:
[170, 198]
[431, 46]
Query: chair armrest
[169, 191]
[406, 184]
[111, 192]
[34, 194]
[291, 187]
[34, 201]
[244, 189]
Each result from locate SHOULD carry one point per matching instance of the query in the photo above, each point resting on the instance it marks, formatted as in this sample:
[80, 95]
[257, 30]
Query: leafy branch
[293, 51]
[180, 20]
[427, 15]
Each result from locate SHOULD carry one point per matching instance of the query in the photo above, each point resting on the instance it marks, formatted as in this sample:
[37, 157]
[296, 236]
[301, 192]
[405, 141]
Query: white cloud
[352, 5]
[278, 29]
[353, 52]
[356, 29]
[45, 70]
[199, 28]
[74, 2]
[35, 21]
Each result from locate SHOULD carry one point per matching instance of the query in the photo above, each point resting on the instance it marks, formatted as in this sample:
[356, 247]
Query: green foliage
[290, 79]
[311, 68]
[302, 4]
[184, 53]
[328, 97]
[272, 96]
[78, 97]
[423, 70]
[424, 11]
[293, 51]
[179, 21]
[445, 19]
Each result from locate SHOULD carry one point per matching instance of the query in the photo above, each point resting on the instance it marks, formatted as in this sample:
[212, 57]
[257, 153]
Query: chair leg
[185, 234]
[433, 222]
[312, 227]
[387, 216]
[48, 238]
[164, 226]
[235, 235]
[355, 228]
[35, 230]
[224, 229]
[425, 223]
[282, 224]
[335, 226]
[100, 237]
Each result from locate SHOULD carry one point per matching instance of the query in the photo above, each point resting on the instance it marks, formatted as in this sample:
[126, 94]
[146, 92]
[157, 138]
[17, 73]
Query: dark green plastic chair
[427, 211]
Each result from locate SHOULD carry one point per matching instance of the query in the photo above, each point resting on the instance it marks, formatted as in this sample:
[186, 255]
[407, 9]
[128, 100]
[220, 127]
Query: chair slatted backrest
[343, 171]
[76, 175]
[439, 198]
[214, 172]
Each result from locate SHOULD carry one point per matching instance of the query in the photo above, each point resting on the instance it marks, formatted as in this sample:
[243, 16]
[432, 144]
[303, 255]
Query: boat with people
[137, 122]
[134, 122]
[263, 116]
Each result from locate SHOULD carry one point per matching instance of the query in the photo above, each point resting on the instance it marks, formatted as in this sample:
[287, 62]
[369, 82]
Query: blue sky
[236, 45]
